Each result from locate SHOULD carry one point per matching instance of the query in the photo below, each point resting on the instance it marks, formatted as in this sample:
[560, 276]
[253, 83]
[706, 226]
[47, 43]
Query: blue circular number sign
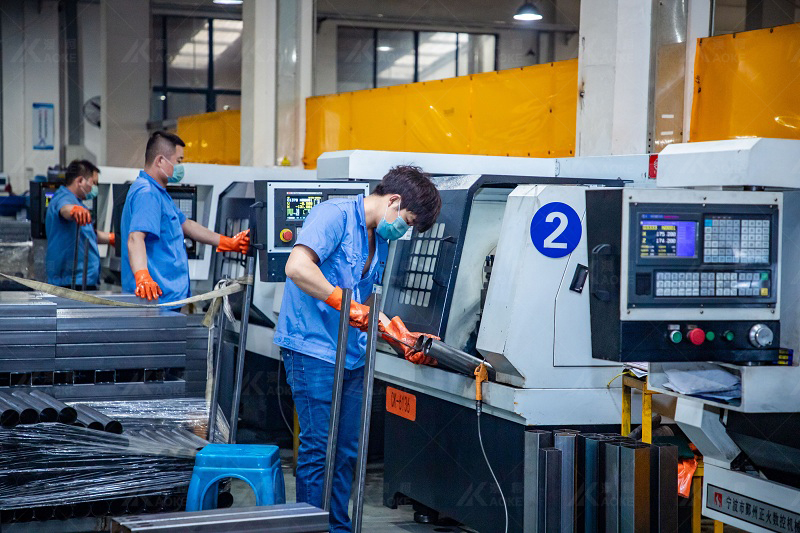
[556, 229]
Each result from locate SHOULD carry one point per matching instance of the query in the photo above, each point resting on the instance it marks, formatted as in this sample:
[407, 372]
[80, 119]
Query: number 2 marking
[562, 225]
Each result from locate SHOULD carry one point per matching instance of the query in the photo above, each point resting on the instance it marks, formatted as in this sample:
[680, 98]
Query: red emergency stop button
[286, 235]
[697, 336]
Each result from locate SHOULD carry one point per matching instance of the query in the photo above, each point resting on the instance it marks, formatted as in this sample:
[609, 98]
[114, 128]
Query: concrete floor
[377, 517]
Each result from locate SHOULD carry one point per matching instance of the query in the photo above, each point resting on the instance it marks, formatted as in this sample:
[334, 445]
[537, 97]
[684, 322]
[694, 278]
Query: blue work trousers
[311, 380]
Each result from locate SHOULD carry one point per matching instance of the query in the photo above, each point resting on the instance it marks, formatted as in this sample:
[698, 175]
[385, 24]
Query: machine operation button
[697, 336]
[761, 336]
[675, 336]
[286, 235]
[710, 336]
[728, 336]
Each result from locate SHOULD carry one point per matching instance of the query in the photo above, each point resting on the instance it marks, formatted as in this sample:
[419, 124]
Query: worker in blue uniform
[154, 261]
[344, 243]
[65, 211]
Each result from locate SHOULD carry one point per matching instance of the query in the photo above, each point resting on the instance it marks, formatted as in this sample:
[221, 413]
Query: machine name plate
[753, 511]
[401, 403]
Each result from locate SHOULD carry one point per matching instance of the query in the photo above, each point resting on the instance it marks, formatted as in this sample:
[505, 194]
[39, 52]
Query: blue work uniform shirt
[61, 244]
[337, 232]
[150, 209]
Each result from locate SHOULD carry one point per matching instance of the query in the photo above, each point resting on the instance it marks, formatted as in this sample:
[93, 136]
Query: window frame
[416, 33]
[209, 90]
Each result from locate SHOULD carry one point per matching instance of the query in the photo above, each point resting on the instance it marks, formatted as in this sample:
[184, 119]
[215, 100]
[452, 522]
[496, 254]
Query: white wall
[125, 81]
[91, 71]
[30, 75]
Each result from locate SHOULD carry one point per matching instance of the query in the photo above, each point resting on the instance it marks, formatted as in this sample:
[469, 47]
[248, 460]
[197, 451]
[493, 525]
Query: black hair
[419, 194]
[78, 168]
[161, 143]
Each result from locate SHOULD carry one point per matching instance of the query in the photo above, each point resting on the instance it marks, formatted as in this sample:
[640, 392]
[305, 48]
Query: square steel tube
[663, 488]
[611, 493]
[535, 440]
[634, 488]
[567, 443]
[549, 490]
[593, 482]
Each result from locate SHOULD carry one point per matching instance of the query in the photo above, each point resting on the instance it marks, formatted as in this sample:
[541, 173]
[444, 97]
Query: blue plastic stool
[258, 465]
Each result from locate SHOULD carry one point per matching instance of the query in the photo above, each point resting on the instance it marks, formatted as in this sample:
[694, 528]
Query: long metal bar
[66, 414]
[593, 479]
[282, 518]
[336, 400]
[566, 442]
[212, 413]
[366, 408]
[663, 488]
[46, 412]
[549, 490]
[611, 486]
[634, 488]
[453, 358]
[75, 255]
[241, 352]
[85, 263]
[535, 440]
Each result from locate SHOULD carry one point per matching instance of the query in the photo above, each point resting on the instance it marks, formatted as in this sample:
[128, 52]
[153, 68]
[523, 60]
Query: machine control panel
[691, 254]
[287, 205]
[41, 192]
[685, 275]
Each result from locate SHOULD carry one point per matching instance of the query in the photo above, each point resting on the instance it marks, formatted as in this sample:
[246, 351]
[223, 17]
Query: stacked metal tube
[598, 483]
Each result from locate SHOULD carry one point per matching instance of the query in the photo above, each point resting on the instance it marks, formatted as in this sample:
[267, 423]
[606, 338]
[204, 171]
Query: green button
[675, 337]
[728, 336]
[710, 336]
[764, 276]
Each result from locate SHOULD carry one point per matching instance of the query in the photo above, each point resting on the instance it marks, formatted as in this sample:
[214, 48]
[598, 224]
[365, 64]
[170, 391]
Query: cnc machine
[704, 279]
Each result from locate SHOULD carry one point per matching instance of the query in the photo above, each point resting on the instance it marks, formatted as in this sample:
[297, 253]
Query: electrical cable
[483, 451]
[280, 402]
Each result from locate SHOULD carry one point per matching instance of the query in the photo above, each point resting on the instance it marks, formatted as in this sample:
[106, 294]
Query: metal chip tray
[118, 318]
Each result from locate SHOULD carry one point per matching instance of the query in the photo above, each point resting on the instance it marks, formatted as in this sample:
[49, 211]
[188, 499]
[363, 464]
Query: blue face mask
[91, 195]
[393, 231]
[177, 173]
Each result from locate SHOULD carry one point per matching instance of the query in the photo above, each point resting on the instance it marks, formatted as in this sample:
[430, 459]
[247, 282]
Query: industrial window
[367, 58]
[196, 67]
[417, 284]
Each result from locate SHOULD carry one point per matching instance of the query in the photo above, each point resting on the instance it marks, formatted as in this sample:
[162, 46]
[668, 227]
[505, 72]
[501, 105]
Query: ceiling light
[384, 48]
[228, 2]
[527, 12]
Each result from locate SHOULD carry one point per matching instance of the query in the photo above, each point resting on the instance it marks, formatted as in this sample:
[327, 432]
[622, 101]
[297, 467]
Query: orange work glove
[112, 239]
[145, 286]
[396, 331]
[80, 215]
[359, 313]
[240, 243]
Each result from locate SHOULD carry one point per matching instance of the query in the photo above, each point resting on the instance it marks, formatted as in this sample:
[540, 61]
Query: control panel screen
[299, 205]
[731, 239]
[665, 236]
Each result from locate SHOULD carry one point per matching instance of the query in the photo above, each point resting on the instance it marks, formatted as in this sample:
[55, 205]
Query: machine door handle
[602, 271]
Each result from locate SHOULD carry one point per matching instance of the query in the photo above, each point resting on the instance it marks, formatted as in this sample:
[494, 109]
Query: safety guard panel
[683, 281]
[285, 206]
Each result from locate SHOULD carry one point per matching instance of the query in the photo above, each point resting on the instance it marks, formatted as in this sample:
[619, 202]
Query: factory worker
[344, 243]
[154, 261]
[66, 209]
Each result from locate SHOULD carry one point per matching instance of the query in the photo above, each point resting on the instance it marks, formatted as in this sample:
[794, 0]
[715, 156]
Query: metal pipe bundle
[27, 414]
[66, 414]
[9, 416]
[97, 420]
[46, 412]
